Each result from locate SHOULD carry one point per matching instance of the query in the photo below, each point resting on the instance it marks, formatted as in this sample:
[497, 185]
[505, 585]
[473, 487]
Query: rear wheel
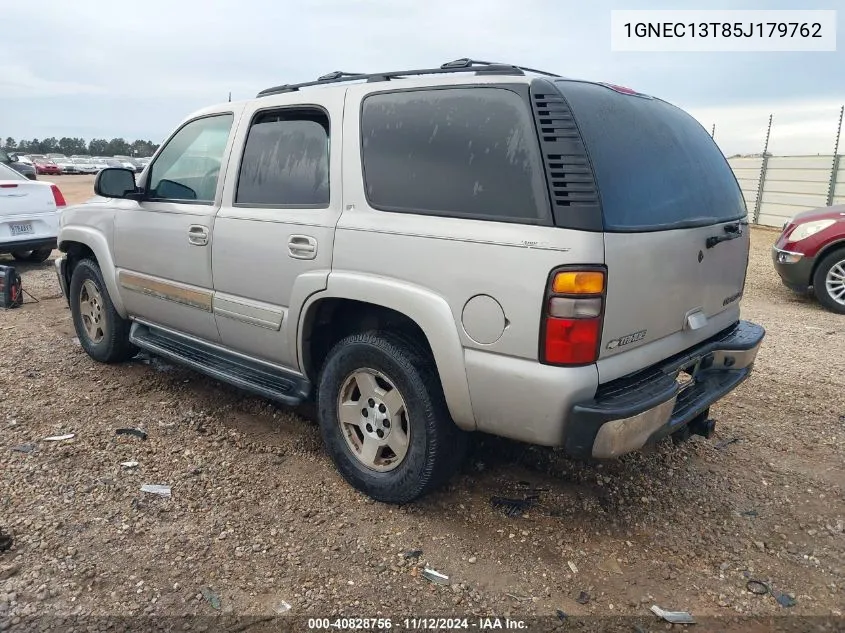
[829, 281]
[384, 418]
[36, 256]
[102, 332]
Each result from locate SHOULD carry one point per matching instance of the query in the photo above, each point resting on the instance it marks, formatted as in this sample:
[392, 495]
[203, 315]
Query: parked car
[810, 254]
[44, 166]
[472, 269]
[85, 166]
[21, 165]
[55, 157]
[29, 216]
[66, 165]
[99, 164]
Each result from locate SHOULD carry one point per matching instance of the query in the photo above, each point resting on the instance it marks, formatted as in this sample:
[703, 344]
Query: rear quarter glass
[655, 166]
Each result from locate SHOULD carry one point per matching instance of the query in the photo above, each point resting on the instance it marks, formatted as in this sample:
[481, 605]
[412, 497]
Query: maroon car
[46, 167]
[810, 252]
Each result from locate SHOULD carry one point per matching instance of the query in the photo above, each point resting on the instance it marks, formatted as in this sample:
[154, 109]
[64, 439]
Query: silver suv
[424, 253]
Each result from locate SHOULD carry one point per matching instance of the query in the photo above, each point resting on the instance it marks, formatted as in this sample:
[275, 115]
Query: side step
[269, 382]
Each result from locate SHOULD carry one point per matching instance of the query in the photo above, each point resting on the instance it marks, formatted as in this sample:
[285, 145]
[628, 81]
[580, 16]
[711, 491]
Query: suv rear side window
[286, 160]
[461, 152]
[655, 166]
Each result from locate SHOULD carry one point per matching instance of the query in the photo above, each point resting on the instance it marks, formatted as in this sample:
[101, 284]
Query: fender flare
[96, 241]
[428, 310]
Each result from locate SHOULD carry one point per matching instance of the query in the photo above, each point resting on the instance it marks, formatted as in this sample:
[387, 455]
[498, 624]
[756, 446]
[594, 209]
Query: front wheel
[829, 281]
[384, 418]
[102, 332]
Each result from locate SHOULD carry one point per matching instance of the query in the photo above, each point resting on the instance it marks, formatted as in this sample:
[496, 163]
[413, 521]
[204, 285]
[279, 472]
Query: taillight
[58, 197]
[572, 316]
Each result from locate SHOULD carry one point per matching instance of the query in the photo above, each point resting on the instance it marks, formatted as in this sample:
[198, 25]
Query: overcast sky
[134, 69]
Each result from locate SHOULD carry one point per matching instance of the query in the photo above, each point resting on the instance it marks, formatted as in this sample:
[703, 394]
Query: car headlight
[803, 231]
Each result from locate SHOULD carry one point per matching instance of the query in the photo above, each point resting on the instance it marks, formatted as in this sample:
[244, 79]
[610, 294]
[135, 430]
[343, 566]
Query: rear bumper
[628, 413]
[27, 245]
[795, 269]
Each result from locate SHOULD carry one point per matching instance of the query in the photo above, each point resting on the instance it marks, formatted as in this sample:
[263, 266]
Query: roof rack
[457, 66]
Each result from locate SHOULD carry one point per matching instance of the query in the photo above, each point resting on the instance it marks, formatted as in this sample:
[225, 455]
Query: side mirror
[115, 182]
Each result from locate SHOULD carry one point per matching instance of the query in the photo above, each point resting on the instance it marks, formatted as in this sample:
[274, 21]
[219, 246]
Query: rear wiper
[732, 231]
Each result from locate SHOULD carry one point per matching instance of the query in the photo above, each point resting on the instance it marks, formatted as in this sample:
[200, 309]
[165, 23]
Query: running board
[269, 382]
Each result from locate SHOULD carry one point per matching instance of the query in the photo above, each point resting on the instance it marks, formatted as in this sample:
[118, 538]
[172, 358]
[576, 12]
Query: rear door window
[459, 152]
[655, 166]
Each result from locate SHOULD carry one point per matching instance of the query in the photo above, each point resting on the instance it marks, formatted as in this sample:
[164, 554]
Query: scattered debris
[517, 597]
[675, 617]
[139, 433]
[435, 576]
[572, 566]
[283, 607]
[757, 587]
[720, 445]
[129, 465]
[610, 565]
[412, 553]
[473, 560]
[211, 598]
[511, 507]
[784, 600]
[6, 541]
[155, 489]
[583, 598]
[60, 438]
[750, 513]
[561, 615]
[23, 448]
[75, 341]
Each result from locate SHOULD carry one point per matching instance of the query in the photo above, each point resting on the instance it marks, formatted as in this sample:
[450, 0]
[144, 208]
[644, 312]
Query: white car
[29, 216]
[67, 165]
[85, 166]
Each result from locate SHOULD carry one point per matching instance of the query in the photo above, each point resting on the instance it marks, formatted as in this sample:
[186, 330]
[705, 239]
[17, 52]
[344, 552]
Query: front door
[162, 244]
[274, 233]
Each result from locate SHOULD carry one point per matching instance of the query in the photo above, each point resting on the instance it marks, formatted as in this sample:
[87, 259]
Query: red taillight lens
[58, 197]
[572, 341]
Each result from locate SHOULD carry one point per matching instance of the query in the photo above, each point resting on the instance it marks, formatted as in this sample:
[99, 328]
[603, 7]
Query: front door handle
[198, 235]
[302, 247]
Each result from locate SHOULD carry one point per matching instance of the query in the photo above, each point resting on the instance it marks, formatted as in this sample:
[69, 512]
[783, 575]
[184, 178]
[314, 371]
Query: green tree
[50, 145]
[10, 144]
[97, 147]
[117, 147]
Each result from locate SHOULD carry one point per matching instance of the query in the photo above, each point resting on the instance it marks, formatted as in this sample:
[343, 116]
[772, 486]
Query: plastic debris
[583, 598]
[283, 607]
[750, 513]
[783, 599]
[675, 617]
[561, 615]
[610, 565]
[6, 541]
[129, 465]
[412, 553]
[720, 445]
[511, 507]
[757, 587]
[60, 438]
[572, 566]
[23, 448]
[211, 598]
[155, 489]
[139, 433]
[435, 576]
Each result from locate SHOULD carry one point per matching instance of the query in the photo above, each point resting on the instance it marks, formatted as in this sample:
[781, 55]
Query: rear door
[676, 235]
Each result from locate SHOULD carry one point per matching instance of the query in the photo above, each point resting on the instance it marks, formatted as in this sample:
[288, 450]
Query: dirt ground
[259, 518]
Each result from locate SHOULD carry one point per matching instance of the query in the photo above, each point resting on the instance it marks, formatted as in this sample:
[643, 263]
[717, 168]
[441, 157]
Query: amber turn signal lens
[578, 283]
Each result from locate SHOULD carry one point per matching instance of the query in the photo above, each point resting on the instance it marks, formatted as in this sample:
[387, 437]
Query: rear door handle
[302, 247]
[198, 235]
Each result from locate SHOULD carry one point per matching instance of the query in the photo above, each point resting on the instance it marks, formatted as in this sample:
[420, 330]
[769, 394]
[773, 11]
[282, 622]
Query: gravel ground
[259, 518]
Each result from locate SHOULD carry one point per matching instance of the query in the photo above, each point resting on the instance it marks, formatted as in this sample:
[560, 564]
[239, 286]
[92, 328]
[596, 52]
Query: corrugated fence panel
[747, 172]
[793, 184]
[839, 191]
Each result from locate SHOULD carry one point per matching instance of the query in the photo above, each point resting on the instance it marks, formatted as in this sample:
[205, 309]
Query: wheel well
[76, 252]
[827, 250]
[331, 320]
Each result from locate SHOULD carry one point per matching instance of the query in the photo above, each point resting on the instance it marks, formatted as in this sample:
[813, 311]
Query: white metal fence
[778, 187]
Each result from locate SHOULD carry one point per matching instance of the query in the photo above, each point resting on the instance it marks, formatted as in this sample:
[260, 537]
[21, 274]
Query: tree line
[71, 146]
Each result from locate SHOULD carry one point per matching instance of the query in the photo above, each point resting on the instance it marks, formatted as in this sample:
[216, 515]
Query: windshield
[655, 166]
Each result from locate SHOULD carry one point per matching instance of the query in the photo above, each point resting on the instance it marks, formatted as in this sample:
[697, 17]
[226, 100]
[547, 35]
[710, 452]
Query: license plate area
[21, 228]
[688, 374]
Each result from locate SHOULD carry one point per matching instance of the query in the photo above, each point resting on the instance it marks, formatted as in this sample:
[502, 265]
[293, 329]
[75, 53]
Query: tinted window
[286, 161]
[655, 166]
[189, 165]
[7, 173]
[459, 152]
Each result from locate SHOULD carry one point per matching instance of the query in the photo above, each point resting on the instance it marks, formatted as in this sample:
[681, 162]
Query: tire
[434, 445]
[108, 341]
[36, 256]
[829, 281]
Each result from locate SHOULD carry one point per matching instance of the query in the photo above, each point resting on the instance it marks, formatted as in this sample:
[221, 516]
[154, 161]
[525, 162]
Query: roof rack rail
[459, 65]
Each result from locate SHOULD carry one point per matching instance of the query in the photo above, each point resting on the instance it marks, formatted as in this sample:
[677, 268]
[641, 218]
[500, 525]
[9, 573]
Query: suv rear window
[459, 152]
[655, 166]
